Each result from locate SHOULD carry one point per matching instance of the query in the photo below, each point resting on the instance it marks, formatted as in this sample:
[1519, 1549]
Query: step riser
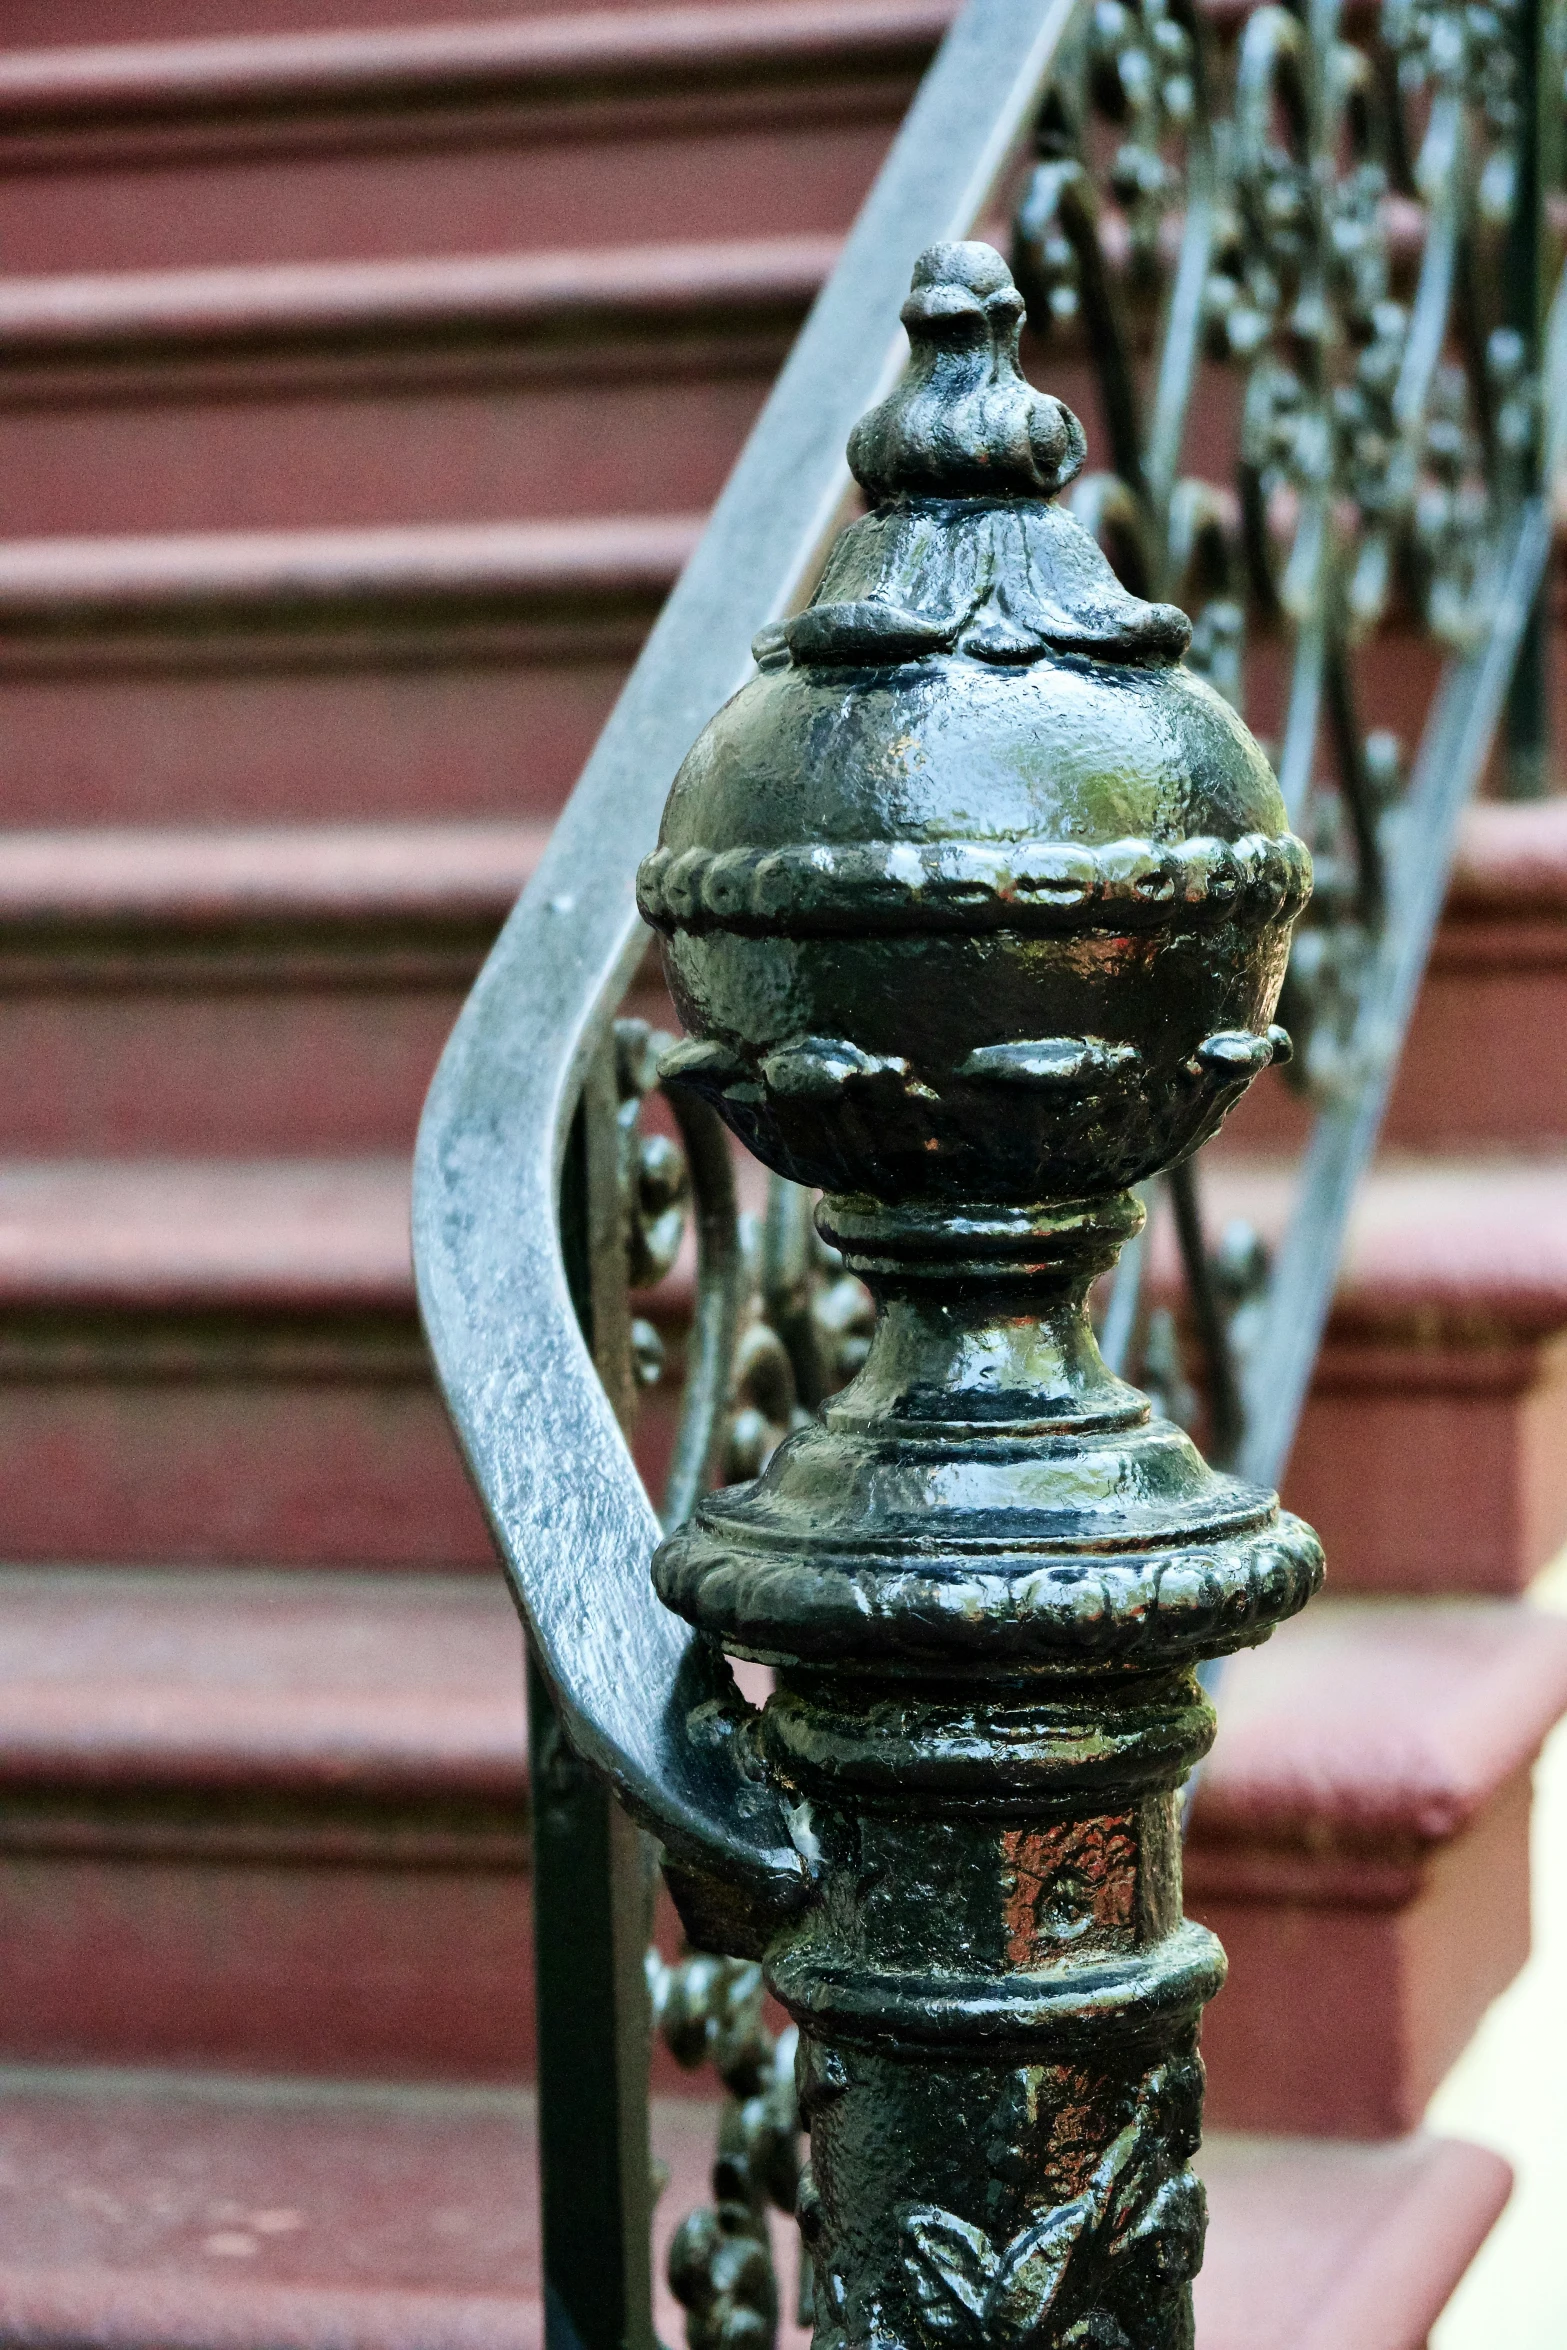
[142, 1059]
[714, 165]
[386, 1963]
[1341, 2019]
[164, 1442]
[1435, 1468]
[97, 1061]
[490, 738]
[354, 1971]
[465, 704]
[628, 405]
[1485, 1063]
[607, 412]
[1484, 1066]
[148, 1073]
[173, 1448]
[198, 1468]
[571, 447]
[37, 24]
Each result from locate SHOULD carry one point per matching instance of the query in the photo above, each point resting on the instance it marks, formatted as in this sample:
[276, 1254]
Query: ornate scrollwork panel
[1322, 212]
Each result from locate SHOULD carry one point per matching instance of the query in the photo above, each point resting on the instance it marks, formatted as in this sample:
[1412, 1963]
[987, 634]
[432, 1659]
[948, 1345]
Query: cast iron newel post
[975, 904]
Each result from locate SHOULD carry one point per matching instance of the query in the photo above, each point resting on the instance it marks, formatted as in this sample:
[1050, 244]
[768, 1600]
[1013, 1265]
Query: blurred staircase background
[363, 382]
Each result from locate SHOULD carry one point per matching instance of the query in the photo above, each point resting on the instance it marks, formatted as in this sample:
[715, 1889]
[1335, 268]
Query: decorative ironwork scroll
[710, 2011]
[778, 1325]
[1321, 227]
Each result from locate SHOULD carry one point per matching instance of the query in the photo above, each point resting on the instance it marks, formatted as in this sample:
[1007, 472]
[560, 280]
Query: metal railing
[1340, 219]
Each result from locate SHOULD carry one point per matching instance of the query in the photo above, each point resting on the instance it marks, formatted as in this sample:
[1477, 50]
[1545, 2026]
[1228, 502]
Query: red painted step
[140, 968]
[438, 389]
[209, 1362]
[38, 24]
[295, 1808]
[264, 1821]
[98, 23]
[727, 120]
[292, 1805]
[139, 971]
[1360, 1843]
[452, 735]
[401, 671]
[1432, 1455]
[394, 592]
[458, 670]
[1484, 1067]
[202, 2212]
[1323, 2247]
[193, 2212]
[219, 1360]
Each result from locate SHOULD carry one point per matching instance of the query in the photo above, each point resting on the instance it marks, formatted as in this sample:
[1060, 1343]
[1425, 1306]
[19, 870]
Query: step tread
[1379, 1723]
[1321, 2246]
[125, 878]
[48, 579]
[447, 61]
[1364, 1725]
[326, 1683]
[199, 2211]
[1488, 1235]
[44, 316]
[1480, 1241]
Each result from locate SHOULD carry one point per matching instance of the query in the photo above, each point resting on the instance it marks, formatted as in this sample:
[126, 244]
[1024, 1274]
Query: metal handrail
[548, 1458]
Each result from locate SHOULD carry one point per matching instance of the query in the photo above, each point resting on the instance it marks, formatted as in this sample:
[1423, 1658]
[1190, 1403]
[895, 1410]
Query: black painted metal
[592, 1895]
[592, 1870]
[1526, 767]
[541, 1436]
[975, 905]
[720, 1282]
[710, 2012]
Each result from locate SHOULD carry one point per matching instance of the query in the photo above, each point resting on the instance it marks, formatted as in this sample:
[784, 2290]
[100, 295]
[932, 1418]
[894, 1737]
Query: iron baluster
[1527, 280]
[592, 1869]
[1220, 1382]
[592, 1889]
[720, 1297]
[801, 1333]
[1458, 740]
[625, 1196]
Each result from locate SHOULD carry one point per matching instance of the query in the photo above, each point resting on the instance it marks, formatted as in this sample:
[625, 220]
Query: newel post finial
[964, 421]
[975, 905]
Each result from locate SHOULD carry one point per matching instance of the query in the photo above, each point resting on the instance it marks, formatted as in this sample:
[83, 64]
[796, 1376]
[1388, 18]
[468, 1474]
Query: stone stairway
[364, 384]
